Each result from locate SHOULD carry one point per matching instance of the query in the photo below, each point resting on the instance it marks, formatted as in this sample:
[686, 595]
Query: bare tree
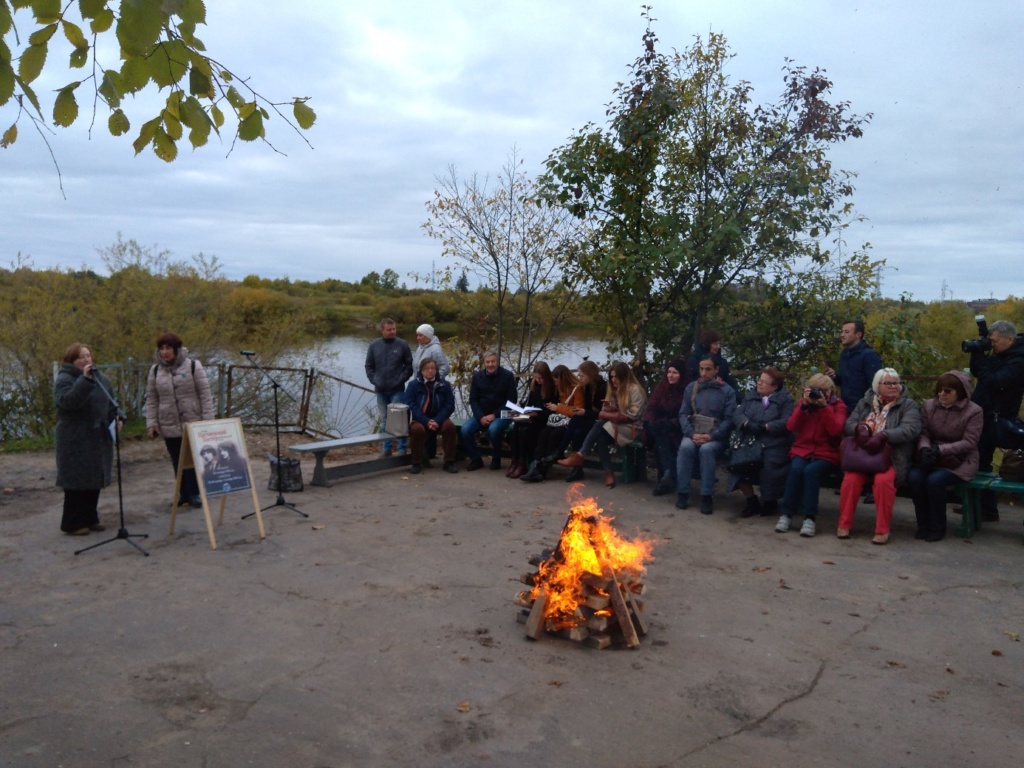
[516, 245]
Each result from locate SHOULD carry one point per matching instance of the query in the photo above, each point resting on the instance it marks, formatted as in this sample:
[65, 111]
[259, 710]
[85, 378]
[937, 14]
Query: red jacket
[818, 432]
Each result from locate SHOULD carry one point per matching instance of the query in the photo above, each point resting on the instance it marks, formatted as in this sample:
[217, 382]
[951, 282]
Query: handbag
[557, 420]
[623, 434]
[397, 421]
[560, 419]
[853, 458]
[1011, 468]
[1010, 434]
[702, 425]
[746, 452]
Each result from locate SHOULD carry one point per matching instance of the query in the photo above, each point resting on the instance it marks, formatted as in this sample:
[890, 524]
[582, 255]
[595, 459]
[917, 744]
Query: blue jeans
[495, 434]
[383, 401]
[708, 457]
[802, 485]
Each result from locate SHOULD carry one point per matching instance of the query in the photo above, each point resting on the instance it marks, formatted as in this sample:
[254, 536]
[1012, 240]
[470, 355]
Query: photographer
[997, 362]
[817, 426]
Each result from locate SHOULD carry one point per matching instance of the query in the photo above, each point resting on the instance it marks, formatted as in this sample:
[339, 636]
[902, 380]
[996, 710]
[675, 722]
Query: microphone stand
[122, 531]
[280, 502]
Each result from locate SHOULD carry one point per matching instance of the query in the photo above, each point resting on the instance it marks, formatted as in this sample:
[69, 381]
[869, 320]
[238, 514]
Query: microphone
[246, 352]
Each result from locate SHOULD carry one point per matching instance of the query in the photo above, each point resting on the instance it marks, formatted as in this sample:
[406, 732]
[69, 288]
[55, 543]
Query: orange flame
[563, 577]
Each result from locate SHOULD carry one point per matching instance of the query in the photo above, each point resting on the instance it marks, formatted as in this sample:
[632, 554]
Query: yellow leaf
[10, 136]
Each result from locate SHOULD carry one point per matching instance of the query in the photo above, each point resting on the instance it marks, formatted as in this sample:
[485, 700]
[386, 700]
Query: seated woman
[583, 417]
[885, 415]
[620, 421]
[947, 451]
[817, 426]
[763, 414]
[431, 404]
[540, 392]
[661, 424]
[706, 420]
[557, 415]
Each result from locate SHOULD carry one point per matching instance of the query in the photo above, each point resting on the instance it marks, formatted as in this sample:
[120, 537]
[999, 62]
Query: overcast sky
[402, 89]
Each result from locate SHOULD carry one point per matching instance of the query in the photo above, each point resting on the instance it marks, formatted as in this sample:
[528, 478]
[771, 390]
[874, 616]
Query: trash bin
[291, 474]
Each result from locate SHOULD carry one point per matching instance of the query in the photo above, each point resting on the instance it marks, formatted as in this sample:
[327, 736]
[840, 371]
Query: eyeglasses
[890, 383]
[945, 391]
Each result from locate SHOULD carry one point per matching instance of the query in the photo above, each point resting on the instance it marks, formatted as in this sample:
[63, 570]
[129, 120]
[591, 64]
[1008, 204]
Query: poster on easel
[217, 452]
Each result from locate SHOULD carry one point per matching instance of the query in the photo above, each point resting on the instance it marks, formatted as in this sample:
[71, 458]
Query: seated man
[706, 420]
[489, 390]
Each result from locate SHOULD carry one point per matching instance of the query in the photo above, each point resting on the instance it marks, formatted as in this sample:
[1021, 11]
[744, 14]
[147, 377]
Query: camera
[815, 394]
[980, 344]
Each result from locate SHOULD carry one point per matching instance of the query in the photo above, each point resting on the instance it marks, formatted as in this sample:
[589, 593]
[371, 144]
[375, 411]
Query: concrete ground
[381, 631]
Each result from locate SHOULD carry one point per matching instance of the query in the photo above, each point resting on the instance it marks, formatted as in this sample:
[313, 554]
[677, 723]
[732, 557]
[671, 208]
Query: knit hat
[426, 330]
[680, 365]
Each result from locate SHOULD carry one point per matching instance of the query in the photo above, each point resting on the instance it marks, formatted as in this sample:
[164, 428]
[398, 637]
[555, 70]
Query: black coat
[85, 449]
[1000, 380]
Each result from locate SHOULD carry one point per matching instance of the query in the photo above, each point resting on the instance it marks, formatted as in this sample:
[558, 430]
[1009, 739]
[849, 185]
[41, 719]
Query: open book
[519, 408]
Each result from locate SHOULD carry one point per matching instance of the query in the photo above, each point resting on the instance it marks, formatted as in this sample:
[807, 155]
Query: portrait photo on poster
[222, 465]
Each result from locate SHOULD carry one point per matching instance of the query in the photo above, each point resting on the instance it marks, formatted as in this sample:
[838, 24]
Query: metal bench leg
[319, 472]
[971, 517]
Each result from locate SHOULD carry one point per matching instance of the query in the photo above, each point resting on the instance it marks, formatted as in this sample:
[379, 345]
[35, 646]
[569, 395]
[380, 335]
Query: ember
[587, 588]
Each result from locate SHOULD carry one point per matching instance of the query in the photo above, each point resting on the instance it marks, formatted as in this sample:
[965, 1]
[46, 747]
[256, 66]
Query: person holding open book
[530, 417]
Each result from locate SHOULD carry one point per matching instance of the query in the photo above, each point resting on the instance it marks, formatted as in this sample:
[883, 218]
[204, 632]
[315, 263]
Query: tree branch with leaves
[158, 49]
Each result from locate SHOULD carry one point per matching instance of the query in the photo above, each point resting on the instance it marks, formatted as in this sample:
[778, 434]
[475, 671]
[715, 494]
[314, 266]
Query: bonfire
[588, 587]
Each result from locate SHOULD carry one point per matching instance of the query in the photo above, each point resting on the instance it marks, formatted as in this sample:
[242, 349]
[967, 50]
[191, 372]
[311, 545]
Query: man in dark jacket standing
[388, 367]
[857, 364]
[999, 392]
[489, 390]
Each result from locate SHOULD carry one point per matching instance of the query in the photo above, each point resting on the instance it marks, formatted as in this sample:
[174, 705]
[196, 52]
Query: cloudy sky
[403, 89]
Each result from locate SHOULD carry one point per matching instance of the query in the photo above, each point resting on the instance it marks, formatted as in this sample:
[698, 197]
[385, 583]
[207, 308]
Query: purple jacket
[955, 430]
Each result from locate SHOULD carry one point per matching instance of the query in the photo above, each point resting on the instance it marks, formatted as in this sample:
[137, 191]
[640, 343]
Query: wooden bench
[323, 475]
[970, 493]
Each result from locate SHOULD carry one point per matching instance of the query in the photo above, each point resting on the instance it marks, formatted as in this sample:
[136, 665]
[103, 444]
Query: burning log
[585, 588]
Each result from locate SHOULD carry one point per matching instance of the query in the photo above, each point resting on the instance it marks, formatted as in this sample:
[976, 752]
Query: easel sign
[216, 450]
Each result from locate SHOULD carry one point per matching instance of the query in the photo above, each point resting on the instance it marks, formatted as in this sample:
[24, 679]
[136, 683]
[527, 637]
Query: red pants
[884, 489]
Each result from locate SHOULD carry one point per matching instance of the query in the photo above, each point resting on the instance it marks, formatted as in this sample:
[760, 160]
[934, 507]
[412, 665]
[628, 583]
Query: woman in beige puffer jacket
[177, 392]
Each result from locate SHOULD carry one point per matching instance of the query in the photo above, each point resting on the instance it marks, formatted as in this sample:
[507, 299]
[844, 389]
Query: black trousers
[189, 483]
[79, 509]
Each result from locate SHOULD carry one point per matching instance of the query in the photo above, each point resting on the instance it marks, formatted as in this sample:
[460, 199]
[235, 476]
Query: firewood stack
[588, 587]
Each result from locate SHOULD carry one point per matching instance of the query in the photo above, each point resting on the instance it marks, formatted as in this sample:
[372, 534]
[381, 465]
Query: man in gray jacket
[388, 367]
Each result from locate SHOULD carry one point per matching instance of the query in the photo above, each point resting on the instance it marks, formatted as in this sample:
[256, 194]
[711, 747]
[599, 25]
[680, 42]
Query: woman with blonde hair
[817, 427]
[885, 416]
[619, 421]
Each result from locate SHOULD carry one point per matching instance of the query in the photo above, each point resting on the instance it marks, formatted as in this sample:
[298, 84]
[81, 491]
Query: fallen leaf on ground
[464, 707]
[997, 653]
[897, 664]
[761, 568]
[783, 585]
[1015, 636]
[318, 527]
[828, 562]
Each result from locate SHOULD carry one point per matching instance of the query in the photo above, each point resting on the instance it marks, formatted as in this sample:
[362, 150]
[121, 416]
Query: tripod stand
[280, 502]
[122, 531]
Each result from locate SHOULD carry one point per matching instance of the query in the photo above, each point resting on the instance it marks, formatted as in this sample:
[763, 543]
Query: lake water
[345, 356]
[348, 410]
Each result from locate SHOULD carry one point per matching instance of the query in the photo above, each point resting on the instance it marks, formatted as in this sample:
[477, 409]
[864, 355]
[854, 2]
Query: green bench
[970, 494]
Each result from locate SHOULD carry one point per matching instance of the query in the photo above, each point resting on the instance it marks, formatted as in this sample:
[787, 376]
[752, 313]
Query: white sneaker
[783, 525]
[808, 528]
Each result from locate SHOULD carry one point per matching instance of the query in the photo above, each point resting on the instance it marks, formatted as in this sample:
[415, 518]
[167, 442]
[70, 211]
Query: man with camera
[997, 362]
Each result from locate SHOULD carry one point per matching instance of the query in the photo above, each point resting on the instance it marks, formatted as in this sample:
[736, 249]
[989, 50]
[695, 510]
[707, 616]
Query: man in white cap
[429, 347]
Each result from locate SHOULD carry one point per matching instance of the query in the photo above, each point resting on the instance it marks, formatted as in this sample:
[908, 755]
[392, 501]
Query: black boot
[770, 509]
[753, 507]
[534, 474]
[666, 484]
[575, 475]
